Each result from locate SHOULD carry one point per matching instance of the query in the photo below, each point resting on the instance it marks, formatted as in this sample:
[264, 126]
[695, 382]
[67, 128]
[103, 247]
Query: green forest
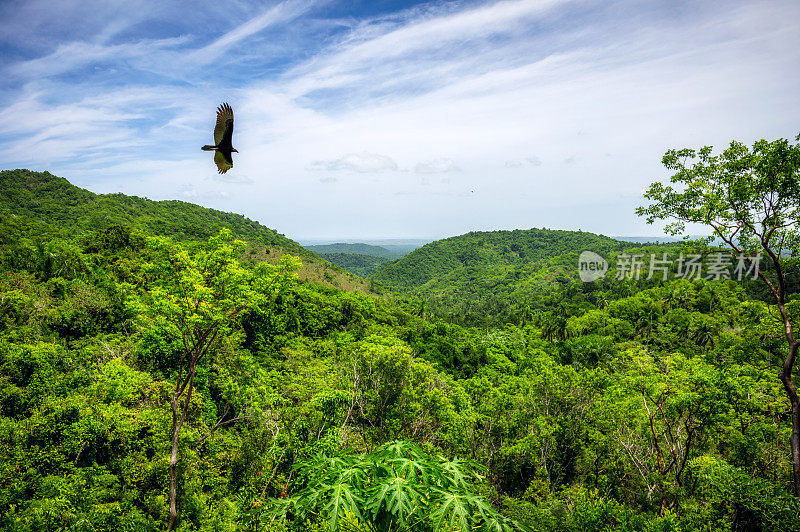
[356, 263]
[358, 249]
[168, 366]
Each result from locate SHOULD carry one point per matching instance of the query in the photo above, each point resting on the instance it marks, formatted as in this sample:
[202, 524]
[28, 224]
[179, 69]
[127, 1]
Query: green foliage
[361, 265]
[751, 199]
[396, 487]
[580, 509]
[203, 288]
[613, 405]
[743, 194]
[751, 503]
[196, 300]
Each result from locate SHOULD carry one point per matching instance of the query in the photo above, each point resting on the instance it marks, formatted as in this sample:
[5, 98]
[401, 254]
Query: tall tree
[750, 197]
[196, 297]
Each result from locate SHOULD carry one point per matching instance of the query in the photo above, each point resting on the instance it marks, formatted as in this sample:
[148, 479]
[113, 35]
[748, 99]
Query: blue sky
[393, 119]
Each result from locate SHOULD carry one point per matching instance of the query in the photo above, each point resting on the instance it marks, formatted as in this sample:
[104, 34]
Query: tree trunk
[173, 469]
[179, 413]
[796, 443]
[794, 401]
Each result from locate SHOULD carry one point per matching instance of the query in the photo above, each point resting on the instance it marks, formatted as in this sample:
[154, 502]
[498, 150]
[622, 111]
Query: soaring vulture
[223, 133]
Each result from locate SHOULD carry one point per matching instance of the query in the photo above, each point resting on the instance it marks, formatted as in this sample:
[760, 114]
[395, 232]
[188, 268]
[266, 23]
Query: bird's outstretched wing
[223, 130]
[224, 163]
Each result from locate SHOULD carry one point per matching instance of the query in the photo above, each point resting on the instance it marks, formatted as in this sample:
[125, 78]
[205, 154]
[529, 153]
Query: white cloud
[234, 178]
[528, 161]
[365, 54]
[106, 128]
[192, 193]
[38, 23]
[188, 192]
[436, 166]
[357, 162]
[281, 13]
[71, 56]
[485, 84]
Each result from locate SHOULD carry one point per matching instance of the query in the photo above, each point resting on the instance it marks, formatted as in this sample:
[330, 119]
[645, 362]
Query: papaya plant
[398, 487]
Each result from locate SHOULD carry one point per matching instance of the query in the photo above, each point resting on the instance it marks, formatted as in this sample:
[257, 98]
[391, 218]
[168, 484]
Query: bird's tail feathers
[208, 147]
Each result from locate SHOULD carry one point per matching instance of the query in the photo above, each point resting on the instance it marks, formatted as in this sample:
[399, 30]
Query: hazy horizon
[414, 240]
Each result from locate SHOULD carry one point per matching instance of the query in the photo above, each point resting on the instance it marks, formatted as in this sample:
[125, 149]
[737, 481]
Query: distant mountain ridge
[357, 249]
[398, 247]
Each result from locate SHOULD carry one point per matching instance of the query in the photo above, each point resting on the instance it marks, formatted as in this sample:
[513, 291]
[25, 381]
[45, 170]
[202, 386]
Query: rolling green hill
[48, 206]
[490, 278]
[478, 249]
[65, 207]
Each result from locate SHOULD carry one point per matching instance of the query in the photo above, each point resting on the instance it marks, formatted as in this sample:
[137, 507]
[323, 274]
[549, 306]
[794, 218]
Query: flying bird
[223, 134]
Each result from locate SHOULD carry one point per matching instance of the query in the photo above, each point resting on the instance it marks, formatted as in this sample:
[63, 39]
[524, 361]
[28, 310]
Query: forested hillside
[359, 259]
[500, 248]
[136, 357]
[48, 205]
[361, 265]
[499, 277]
[65, 207]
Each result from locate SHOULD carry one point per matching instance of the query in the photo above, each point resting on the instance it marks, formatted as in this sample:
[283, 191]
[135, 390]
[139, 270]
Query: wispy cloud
[234, 179]
[283, 12]
[40, 25]
[70, 56]
[528, 161]
[357, 162]
[436, 166]
[127, 99]
[413, 52]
